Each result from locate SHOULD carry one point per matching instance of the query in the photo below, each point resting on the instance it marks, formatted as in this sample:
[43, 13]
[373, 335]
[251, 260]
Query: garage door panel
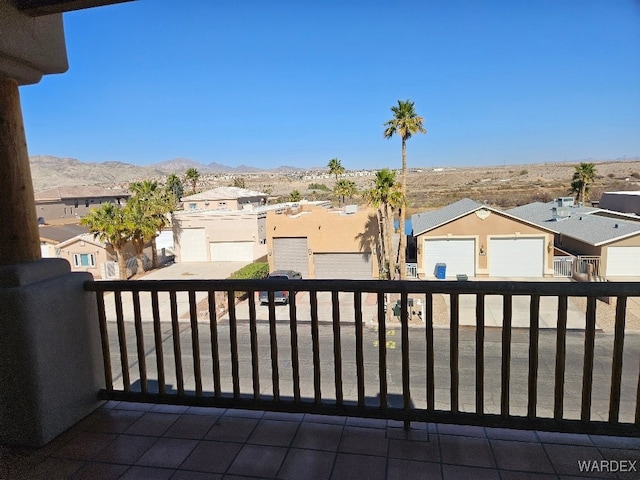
[291, 253]
[354, 266]
[457, 253]
[516, 257]
[231, 251]
[623, 262]
[193, 245]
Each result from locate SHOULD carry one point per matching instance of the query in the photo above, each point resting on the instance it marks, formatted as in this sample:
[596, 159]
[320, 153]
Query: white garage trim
[231, 251]
[623, 262]
[459, 255]
[516, 257]
[352, 266]
[193, 245]
[291, 253]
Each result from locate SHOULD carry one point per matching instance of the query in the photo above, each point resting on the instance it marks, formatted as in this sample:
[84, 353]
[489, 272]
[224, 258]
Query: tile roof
[224, 193]
[61, 233]
[60, 193]
[582, 225]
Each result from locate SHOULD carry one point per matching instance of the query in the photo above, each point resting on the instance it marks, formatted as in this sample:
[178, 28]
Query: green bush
[253, 271]
[319, 186]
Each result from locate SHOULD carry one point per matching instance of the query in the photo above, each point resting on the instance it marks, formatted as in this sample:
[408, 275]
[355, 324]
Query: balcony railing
[332, 350]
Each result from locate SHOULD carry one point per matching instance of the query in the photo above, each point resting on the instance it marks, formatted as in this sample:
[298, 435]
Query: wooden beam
[38, 8]
[19, 236]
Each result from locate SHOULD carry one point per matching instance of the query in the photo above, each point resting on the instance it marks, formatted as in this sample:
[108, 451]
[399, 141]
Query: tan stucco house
[323, 243]
[590, 231]
[225, 198]
[75, 202]
[476, 240]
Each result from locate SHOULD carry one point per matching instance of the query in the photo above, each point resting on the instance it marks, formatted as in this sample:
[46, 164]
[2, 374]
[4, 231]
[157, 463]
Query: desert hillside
[504, 186]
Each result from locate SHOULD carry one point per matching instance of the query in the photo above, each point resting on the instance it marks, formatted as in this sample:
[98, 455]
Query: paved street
[519, 365]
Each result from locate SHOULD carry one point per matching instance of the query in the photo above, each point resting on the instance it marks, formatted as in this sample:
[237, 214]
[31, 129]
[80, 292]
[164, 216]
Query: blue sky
[298, 83]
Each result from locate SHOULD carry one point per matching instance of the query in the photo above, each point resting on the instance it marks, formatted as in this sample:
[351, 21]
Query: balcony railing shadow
[334, 350]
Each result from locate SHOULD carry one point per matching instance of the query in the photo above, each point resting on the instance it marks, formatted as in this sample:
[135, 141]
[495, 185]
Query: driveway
[548, 317]
[177, 271]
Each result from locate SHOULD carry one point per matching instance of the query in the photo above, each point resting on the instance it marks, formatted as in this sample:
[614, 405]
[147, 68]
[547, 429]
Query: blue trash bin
[441, 271]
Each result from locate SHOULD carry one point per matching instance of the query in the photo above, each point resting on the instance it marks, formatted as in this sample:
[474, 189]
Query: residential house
[52, 235]
[589, 231]
[75, 202]
[323, 243]
[225, 198]
[625, 202]
[476, 240]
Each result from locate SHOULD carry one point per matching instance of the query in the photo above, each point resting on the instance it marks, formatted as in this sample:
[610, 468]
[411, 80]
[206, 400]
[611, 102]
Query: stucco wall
[494, 225]
[326, 232]
[230, 227]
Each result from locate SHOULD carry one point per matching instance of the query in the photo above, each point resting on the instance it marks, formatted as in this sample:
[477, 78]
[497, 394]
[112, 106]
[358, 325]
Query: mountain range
[48, 171]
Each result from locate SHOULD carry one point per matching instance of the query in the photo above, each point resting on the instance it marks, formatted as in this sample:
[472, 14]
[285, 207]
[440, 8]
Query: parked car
[279, 296]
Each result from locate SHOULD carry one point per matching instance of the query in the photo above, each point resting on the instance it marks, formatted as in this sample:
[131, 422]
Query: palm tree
[295, 196]
[192, 176]
[345, 188]
[154, 204]
[174, 186]
[386, 196]
[142, 227]
[584, 174]
[335, 167]
[405, 123]
[108, 223]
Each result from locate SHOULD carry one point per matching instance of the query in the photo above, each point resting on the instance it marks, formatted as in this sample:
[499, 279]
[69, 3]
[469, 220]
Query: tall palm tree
[386, 196]
[335, 167]
[405, 123]
[192, 176]
[173, 185]
[109, 224]
[150, 205]
[345, 188]
[584, 174]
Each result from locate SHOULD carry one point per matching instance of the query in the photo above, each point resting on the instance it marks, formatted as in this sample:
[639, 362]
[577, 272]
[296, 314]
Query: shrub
[524, 172]
[319, 186]
[611, 175]
[253, 271]
[635, 175]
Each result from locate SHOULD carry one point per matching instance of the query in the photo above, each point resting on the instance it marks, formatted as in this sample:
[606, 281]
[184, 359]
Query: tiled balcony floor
[146, 441]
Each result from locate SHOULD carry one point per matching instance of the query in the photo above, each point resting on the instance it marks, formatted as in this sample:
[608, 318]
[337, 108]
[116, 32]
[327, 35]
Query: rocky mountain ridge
[48, 171]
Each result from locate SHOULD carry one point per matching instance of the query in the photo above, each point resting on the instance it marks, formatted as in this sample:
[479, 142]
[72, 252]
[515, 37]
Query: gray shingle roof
[582, 224]
[421, 222]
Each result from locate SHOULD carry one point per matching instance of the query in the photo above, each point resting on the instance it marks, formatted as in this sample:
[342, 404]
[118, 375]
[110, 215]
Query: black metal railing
[208, 342]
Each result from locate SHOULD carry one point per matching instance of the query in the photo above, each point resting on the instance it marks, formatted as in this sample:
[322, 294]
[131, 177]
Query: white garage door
[352, 266]
[458, 254]
[623, 261]
[516, 257]
[231, 251]
[291, 253]
[193, 245]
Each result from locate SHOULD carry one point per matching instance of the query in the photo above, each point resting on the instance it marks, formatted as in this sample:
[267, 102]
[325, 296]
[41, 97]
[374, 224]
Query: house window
[222, 203]
[86, 203]
[192, 206]
[75, 204]
[84, 260]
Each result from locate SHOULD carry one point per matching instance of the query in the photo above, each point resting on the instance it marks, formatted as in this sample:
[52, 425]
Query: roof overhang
[38, 8]
[491, 209]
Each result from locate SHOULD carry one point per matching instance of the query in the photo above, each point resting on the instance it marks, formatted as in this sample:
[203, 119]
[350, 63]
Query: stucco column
[19, 238]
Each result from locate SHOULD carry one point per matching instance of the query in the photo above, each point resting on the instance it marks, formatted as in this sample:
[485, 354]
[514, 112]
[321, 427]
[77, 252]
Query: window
[192, 206]
[86, 203]
[84, 260]
[222, 203]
